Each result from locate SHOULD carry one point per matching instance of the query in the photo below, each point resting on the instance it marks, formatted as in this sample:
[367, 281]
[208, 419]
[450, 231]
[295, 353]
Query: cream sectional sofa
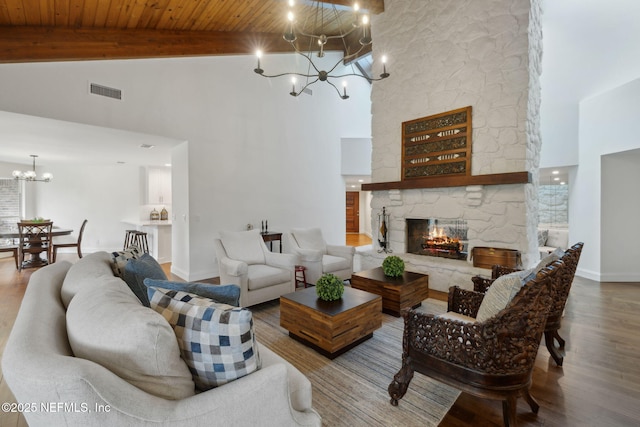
[54, 388]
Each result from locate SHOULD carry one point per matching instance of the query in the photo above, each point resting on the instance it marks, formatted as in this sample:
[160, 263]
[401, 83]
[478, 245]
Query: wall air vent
[105, 91]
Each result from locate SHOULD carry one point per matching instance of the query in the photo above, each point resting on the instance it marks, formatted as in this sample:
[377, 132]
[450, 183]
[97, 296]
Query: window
[9, 202]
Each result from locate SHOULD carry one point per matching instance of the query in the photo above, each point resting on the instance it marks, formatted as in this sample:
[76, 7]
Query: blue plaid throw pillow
[216, 340]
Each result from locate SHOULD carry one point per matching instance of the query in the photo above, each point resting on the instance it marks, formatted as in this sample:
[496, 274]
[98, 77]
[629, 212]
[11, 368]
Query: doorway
[353, 212]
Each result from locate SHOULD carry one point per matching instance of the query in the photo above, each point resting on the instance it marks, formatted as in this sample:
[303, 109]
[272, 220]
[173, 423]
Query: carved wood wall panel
[438, 145]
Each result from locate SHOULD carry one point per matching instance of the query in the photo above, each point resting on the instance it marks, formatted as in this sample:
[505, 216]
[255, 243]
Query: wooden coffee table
[331, 328]
[406, 291]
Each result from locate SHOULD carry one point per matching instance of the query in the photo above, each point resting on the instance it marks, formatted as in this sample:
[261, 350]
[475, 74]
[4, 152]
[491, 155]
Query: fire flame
[438, 238]
[437, 233]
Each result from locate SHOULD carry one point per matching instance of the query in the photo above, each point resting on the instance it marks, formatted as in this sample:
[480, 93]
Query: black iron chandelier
[313, 34]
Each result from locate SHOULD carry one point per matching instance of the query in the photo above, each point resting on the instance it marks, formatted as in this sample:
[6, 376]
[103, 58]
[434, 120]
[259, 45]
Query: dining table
[35, 260]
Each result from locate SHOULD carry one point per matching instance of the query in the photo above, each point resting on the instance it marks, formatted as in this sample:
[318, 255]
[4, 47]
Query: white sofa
[58, 389]
[317, 256]
[245, 261]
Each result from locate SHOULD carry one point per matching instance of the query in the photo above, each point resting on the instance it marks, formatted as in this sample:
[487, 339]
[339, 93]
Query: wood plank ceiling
[63, 30]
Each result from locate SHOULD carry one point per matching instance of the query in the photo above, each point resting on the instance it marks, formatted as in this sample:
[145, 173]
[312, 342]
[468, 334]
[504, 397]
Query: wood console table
[270, 236]
[406, 291]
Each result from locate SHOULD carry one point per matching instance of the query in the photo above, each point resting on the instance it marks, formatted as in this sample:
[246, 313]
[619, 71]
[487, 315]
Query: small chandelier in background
[313, 34]
[31, 175]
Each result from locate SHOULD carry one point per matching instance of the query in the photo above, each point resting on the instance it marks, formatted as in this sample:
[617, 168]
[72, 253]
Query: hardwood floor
[599, 384]
[355, 239]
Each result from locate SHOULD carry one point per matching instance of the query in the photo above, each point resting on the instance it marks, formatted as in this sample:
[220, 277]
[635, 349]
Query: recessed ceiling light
[562, 183]
[555, 172]
[168, 165]
[353, 186]
[146, 146]
[556, 179]
[361, 180]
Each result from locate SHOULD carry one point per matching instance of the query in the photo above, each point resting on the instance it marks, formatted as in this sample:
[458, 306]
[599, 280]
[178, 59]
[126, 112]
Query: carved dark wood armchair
[491, 359]
[559, 295]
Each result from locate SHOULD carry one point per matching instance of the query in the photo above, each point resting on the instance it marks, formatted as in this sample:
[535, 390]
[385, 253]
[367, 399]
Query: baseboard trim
[620, 277]
[608, 277]
[588, 274]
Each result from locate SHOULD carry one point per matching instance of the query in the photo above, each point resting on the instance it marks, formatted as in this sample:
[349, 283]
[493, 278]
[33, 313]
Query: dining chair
[10, 247]
[34, 238]
[60, 242]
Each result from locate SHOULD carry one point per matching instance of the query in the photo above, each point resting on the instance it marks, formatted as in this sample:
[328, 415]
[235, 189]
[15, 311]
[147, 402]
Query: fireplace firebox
[446, 238]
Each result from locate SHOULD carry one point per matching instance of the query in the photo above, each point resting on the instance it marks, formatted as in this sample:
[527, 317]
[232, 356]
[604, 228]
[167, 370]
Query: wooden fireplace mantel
[451, 181]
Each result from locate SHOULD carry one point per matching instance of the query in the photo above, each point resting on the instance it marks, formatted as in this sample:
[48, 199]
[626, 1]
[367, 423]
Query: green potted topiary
[329, 287]
[393, 266]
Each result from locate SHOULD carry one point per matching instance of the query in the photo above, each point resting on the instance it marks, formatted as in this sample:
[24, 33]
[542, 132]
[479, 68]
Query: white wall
[365, 213]
[590, 46]
[102, 195]
[6, 169]
[620, 233]
[180, 250]
[607, 126]
[356, 156]
[254, 152]
[559, 109]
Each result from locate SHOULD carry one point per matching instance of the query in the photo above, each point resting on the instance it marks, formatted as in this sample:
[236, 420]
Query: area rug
[351, 390]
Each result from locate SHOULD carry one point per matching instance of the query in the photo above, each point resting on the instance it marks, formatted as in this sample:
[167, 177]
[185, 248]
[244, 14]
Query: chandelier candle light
[313, 33]
[31, 175]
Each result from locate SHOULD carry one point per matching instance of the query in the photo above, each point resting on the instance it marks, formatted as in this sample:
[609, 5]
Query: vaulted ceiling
[63, 30]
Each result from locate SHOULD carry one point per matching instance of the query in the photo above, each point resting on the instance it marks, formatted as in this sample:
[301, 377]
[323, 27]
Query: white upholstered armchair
[244, 260]
[317, 256]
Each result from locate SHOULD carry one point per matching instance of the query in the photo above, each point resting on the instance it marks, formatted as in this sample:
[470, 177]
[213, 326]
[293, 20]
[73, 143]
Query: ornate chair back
[34, 238]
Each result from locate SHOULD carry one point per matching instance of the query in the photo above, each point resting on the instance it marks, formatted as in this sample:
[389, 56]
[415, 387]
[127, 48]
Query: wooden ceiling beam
[37, 44]
[23, 43]
[353, 45]
[373, 6]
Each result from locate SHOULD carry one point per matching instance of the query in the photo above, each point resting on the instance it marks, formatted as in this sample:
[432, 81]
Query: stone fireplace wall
[444, 55]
